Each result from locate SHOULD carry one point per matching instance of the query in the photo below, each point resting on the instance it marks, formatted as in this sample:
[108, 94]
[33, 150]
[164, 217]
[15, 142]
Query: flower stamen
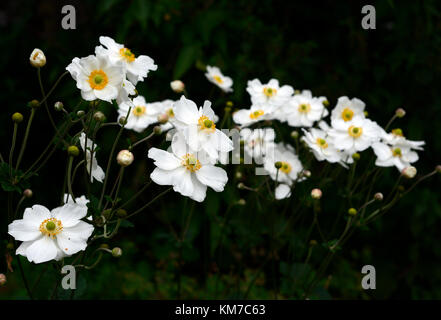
[191, 163]
[355, 132]
[51, 227]
[347, 114]
[98, 79]
[256, 114]
[127, 54]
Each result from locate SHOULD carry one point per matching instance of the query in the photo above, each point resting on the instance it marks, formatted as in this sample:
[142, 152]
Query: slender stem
[45, 100]
[53, 87]
[142, 140]
[149, 203]
[11, 152]
[25, 140]
[23, 276]
[69, 182]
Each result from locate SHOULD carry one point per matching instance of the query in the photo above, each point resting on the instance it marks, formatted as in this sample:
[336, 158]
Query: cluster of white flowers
[196, 146]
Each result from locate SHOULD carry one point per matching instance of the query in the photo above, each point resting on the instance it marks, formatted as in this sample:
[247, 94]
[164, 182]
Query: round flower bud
[306, 173]
[313, 243]
[409, 172]
[106, 213]
[2, 279]
[125, 158]
[241, 202]
[229, 104]
[438, 168]
[73, 151]
[177, 86]
[121, 213]
[240, 185]
[116, 252]
[157, 130]
[58, 106]
[352, 211]
[239, 175]
[122, 121]
[316, 193]
[99, 116]
[80, 113]
[294, 134]
[356, 156]
[227, 109]
[400, 112]
[325, 103]
[28, 193]
[163, 118]
[34, 103]
[378, 196]
[37, 58]
[17, 117]
[278, 164]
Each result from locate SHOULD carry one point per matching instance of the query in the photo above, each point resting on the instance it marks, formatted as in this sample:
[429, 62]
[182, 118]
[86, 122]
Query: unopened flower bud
[177, 86]
[409, 172]
[400, 112]
[240, 185]
[73, 151]
[121, 213]
[352, 211]
[239, 175]
[10, 246]
[17, 117]
[80, 113]
[356, 156]
[58, 106]
[116, 252]
[378, 196]
[316, 193]
[106, 214]
[34, 103]
[306, 173]
[241, 202]
[325, 103]
[294, 134]
[438, 168]
[366, 114]
[99, 116]
[157, 130]
[163, 118]
[122, 121]
[125, 158]
[229, 104]
[2, 279]
[28, 193]
[278, 164]
[37, 58]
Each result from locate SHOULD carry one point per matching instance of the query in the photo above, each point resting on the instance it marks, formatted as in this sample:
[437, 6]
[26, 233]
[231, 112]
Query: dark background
[316, 45]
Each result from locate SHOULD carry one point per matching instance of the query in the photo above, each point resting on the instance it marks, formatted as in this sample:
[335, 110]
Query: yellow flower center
[51, 227]
[347, 114]
[256, 114]
[322, 143]
[191, 163]
[170, 113]
[396, 152]
[139, 110]
[206, 124]
[286, 167]
[355, 131]
[398, 132]
[304, 108]
[127, 54]
[98, 79]
[218, 79]
[269, 92]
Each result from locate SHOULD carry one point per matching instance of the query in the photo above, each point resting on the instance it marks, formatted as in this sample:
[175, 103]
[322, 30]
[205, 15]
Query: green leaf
[187, 56]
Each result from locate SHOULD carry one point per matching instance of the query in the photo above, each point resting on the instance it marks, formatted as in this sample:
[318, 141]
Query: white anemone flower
[321, 145]
[137, 67]
[270, 95]
[167, 112]
[188, 172]
[199, 128]
[302, 110]
[91, 163]
[291, 167]
[346, 110]
[258, 142]
[97, 78]
[51, 235]
[127, 90]
[214, 75]
[247, 117]
[397, 138]
[82, 201]
[355, 135]
[142, 114]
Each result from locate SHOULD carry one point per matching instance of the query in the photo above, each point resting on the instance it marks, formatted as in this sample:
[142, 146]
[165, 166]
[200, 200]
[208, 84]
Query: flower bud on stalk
[104, 246]
[28, 193]
[294, 134]
[34, 104]
[121, 213]
[409, 172]
[73, 151]
[58, 106]
[400, 112]
[378, 196]
[241, 202]
[163, 118]
[239, 175]
[177, 86]
[356, 156]
[438, 168]
[17, 117]
[116, 252]
[125, 158]
[278, 164]
[99, 116]
[240, 185]
[80, 113]
[352, 211]
[325, 103]
[316, 193]
[2, 279]
[37, 58]
[306, 173]
[122, 121]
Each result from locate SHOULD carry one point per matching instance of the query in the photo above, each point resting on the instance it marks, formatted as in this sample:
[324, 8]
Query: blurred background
[316, 45]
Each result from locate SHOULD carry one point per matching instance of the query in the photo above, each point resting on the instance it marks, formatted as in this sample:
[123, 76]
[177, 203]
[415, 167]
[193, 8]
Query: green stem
[11, 152]
[25, 140]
